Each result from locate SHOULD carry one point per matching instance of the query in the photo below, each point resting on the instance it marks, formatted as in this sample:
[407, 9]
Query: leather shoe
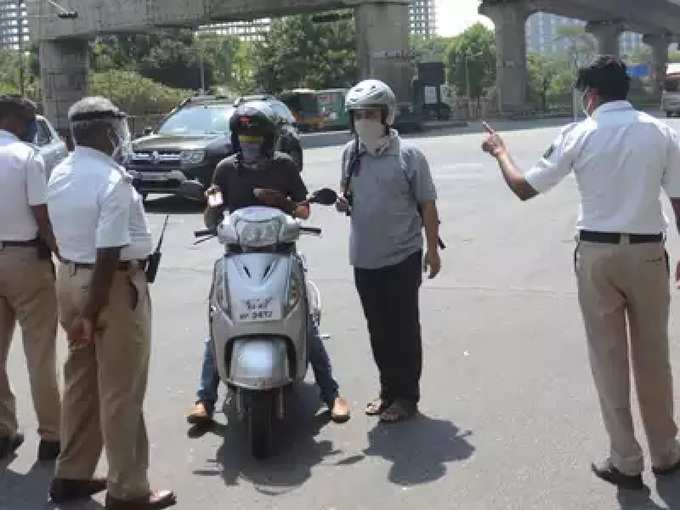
[340, 410]
[48, 450]
[64, 489]
[607, 472]
[153, 501]
[669, 470]
[8, 445]
[200, 414]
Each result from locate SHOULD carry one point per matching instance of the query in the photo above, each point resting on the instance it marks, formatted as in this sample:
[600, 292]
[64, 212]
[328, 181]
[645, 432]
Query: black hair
[608, 75]
[11, 105]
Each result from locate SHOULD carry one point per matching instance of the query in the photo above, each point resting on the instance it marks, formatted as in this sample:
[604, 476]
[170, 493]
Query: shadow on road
[169, 204]
[669, 491]
[419, 449]
[29, 491]
[296, 451]
[638, 500]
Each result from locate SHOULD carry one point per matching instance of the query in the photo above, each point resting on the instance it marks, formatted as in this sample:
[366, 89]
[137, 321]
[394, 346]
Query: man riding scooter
[258, 175]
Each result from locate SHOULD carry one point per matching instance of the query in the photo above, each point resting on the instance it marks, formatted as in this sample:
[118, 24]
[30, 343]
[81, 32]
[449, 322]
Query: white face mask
[371, 132]
[121, 141]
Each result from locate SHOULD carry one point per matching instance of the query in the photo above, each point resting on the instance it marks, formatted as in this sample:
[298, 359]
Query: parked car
[193, 139]
[49, 144]
[670, 97]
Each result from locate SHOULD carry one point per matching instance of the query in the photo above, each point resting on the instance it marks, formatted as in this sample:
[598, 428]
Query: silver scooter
[263, 313]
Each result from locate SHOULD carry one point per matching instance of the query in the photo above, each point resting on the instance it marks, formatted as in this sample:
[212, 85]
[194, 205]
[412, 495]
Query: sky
[454, 16]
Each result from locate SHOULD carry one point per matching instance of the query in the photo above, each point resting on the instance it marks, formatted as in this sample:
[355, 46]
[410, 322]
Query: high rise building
[543, 34]
[423, 18]
[13, 23]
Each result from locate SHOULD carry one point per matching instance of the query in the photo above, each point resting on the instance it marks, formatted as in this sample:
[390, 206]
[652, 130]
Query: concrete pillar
[607, 35]
[659, 44]
[64, 69]
[512, 79]
[383, 45]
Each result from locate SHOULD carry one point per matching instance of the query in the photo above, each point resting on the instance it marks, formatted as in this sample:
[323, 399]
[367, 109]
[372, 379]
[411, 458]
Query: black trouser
[389, 296]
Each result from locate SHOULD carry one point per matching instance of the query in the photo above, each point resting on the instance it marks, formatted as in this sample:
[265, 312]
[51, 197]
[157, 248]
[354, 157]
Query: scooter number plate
[259, 310]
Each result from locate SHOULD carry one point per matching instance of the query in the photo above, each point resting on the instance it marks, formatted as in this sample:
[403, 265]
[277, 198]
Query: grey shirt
[386, 191]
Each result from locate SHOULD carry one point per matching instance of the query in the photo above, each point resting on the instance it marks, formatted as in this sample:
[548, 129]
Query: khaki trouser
[27, 294]
[105, 383]
[626, 287]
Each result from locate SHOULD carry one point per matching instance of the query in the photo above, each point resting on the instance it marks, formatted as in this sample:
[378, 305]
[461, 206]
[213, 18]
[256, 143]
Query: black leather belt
[32, 242]
[615, 237]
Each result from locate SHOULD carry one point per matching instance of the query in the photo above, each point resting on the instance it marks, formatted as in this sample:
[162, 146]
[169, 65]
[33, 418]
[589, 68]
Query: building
[543, 35]
[13, 23]
[423, 18]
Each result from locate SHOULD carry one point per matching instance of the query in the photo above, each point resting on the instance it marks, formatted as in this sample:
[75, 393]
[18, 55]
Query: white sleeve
[36, 180]
[113, 226]
[556, 163]
[671, 174]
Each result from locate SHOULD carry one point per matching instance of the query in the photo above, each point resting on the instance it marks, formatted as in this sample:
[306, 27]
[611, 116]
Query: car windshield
[198, 120]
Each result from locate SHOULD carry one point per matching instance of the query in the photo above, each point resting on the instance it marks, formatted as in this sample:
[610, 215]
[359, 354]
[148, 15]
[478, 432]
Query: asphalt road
[509, 415]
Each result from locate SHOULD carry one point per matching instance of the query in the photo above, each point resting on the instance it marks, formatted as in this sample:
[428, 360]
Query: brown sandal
[399, 410]
[376, 407]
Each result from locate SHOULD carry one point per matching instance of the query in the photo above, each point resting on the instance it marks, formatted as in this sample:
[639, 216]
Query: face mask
[371, 133]
[251, 151]
[30, 132]
[121, 141]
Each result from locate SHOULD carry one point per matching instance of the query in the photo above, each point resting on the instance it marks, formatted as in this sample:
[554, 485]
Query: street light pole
[20, 32]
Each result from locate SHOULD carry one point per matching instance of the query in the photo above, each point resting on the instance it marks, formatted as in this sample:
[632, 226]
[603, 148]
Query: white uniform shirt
[622, 159]
[92, 205]
[23, 184]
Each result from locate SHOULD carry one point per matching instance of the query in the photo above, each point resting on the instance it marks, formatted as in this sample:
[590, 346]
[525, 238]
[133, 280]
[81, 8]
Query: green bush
[135, 94]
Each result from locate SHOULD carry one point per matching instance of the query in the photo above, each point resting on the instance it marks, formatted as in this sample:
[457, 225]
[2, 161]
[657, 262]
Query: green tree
[542, 74]
[471, 61]
[430, 49]
[298, 52]
[580, 45]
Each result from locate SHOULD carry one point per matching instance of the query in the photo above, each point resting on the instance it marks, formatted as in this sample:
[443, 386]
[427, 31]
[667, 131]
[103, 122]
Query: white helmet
[373, 94]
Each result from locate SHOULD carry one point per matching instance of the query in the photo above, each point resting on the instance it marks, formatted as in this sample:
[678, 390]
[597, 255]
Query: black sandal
[399, 410]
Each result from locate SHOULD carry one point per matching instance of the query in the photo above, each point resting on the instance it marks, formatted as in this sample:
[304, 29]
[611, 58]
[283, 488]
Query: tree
[298, 52]
[429, 49]
[472, 61]
[542, 74]
[580, 45]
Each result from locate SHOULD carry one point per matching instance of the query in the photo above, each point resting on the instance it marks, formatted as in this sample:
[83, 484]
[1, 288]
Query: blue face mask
[30, 132]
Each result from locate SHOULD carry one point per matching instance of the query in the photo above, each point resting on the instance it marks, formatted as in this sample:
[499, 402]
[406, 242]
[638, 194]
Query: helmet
[373, 94]
[255, 118]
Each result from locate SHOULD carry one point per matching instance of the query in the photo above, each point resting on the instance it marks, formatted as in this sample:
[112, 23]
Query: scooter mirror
[193, 190]
[324, 196]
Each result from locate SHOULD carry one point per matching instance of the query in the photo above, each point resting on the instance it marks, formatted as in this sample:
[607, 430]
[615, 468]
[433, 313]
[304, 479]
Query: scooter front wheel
[261, 423]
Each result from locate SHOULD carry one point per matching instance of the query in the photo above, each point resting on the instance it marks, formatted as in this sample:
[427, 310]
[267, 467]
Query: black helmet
[255, 118]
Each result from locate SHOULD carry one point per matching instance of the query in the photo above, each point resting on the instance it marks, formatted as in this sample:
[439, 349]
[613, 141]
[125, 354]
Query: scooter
[263, 313]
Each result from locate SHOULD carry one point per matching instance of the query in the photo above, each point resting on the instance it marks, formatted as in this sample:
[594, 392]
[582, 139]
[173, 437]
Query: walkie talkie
[155, 257]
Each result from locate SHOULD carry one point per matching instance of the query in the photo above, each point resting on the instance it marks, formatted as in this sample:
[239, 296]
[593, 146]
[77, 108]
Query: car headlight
[258, 234]
[191, 157]
[220, 286]
[294, 291]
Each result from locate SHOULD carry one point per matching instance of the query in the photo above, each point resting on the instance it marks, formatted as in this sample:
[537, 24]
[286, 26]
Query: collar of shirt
[7, 134]
[102, 157]
[391, 147]
[612, 106]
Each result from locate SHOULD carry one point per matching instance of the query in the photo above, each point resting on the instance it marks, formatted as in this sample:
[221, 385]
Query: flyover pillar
[64, 69]
[659, 44]
[607, 35]
[383, 30]
[512, 79]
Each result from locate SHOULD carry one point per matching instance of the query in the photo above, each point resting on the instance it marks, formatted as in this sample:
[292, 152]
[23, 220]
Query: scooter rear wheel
[261, 423]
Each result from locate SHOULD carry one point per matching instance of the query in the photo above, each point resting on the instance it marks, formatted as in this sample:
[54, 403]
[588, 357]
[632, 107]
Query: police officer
[104, 240]
[389, 188]
[26, 277]
[622, 160]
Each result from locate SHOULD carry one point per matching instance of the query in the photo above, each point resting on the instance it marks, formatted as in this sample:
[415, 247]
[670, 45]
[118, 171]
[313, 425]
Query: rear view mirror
[148, 131]
[193, 190]
[324, 196]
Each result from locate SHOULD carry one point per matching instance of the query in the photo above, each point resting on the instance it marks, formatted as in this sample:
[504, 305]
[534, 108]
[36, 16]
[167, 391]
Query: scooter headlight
[259, 234]
[220, 286]
[295, 290]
